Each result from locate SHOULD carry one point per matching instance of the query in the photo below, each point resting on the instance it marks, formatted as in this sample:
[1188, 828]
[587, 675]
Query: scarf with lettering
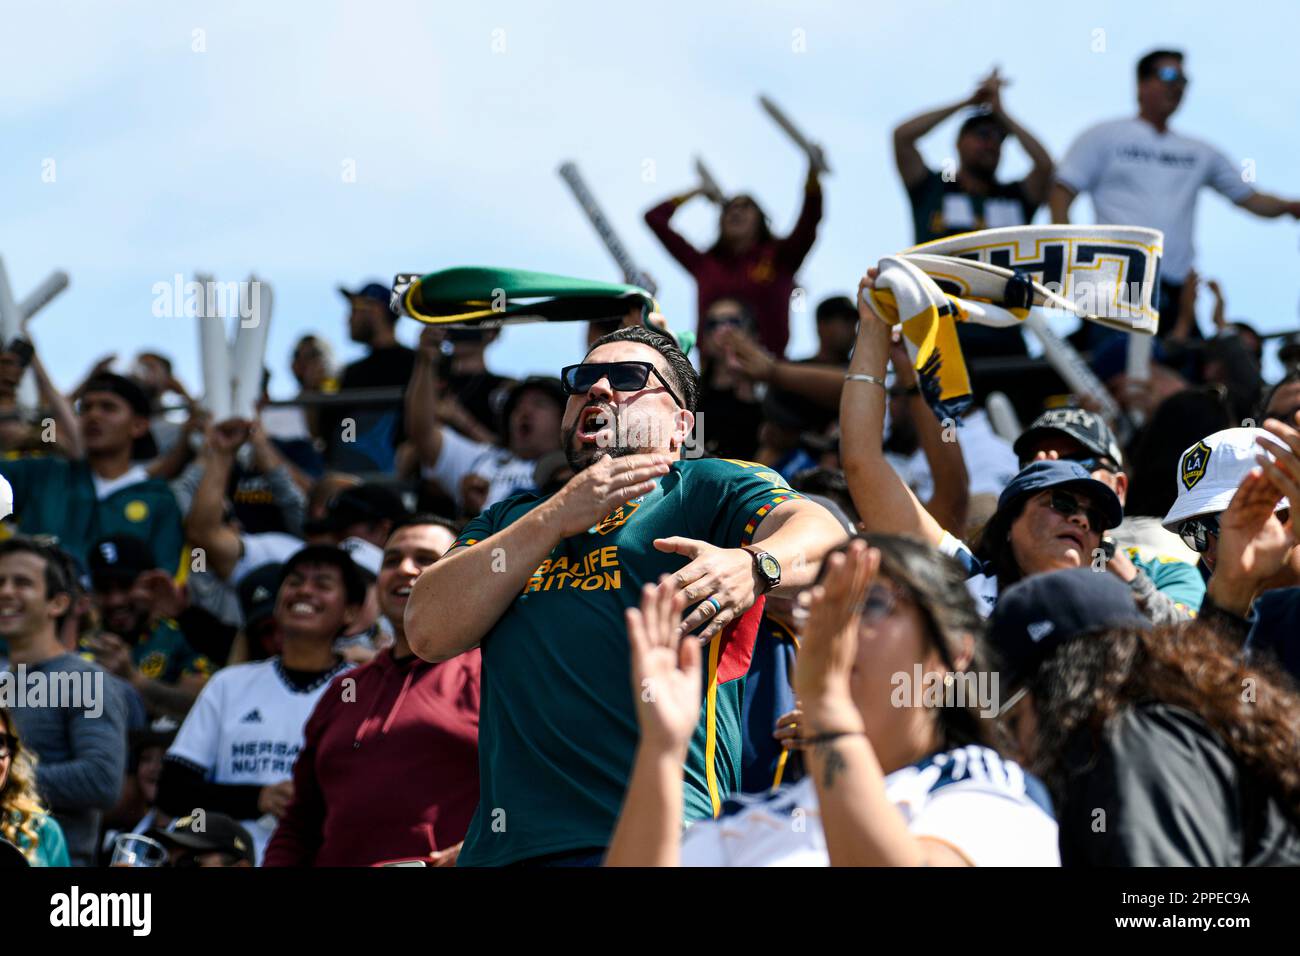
[995, 277]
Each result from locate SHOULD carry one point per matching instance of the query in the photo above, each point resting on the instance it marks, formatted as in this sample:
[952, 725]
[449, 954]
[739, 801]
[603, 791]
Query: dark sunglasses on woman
[1066, 505]
[622, 376]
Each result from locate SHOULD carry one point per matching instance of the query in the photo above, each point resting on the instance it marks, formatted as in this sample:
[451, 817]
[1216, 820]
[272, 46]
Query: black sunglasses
[1196, 532]
[622, 376]
[1066, 505]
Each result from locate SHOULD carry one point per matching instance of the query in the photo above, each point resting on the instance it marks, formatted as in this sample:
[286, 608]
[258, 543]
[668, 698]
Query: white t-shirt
[246, 729]
[1140, 177]
[267, 547]
[506, 473]
[985, 807]
[106, 486]
[990, 461]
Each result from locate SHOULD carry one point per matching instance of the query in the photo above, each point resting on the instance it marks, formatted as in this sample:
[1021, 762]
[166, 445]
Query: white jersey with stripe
[983, 806]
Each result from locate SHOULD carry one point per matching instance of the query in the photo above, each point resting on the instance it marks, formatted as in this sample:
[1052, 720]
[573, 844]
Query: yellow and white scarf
[995, 277]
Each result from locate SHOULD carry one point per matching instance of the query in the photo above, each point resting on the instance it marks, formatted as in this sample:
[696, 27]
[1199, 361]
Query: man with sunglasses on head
[1150, 560]
[551, 578]
[1141, 173]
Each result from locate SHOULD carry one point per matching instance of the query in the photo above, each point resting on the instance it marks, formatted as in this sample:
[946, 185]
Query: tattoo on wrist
[834, 761]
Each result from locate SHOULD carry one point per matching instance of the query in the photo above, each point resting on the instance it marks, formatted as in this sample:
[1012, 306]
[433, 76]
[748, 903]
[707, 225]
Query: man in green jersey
[541, 584]
[106, 492]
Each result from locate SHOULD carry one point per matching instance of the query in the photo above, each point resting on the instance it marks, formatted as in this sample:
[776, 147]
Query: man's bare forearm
[494, 571]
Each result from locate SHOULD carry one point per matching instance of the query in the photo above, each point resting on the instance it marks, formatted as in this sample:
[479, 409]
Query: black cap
[143, 448]
[257, 590]
[1035, 616]
[981, 118]
[375, 291]
[1087, 428]
[1051, 473]
[126, 389]
[119, 559]
[354, 581]
[207, 833]
[367, 502]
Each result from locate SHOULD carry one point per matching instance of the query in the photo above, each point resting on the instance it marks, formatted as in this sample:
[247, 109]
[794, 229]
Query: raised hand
[602, 487]
[832, 612]
[667, 679]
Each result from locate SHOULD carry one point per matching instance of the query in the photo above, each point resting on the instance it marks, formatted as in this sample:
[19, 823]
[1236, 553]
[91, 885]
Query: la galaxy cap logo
[1192, 468]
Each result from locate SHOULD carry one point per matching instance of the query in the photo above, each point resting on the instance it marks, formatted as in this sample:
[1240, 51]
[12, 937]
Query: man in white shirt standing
[1141, 173]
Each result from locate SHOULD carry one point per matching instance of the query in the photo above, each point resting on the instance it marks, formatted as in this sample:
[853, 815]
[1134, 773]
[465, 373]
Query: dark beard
[581, 457]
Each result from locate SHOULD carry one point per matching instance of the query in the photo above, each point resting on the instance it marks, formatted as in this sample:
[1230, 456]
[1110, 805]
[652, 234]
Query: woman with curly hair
[895, 778]
[1165, 747]
[23, 820]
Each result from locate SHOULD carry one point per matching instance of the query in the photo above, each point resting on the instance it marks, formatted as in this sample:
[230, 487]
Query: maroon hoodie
[762, 278]
[388, 768]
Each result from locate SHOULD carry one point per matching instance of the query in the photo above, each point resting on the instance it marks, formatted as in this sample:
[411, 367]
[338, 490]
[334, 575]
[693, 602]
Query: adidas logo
[254, 716]
[1040, 629]
[261, 594]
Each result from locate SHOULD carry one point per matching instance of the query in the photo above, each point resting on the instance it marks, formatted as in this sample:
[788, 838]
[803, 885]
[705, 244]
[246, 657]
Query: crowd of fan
[1134, 584]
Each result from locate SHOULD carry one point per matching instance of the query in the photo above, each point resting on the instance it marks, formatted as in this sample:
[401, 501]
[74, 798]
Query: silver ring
[716, 606]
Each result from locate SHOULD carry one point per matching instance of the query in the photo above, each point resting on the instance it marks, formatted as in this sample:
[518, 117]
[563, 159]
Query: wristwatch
[767, 567]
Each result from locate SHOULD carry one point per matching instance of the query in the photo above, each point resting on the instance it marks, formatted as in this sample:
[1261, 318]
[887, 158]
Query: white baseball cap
[1210, 472]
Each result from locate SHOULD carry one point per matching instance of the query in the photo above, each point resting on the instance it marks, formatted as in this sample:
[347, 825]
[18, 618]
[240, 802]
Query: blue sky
[231, 159]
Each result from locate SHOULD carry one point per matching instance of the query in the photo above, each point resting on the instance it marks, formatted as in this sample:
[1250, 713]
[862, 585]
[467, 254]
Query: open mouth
[594, 422]
[302, 608]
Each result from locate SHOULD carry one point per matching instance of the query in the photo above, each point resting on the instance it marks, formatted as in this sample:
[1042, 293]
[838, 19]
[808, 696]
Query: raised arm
[794, 248]
[496, 569]
[911, 165]
[862, 826]
[422, 424]
[885, 504]
[205, 524]
[950, 502]
[67, 434]
[667, 685]
[1039, 180]
[658, 221]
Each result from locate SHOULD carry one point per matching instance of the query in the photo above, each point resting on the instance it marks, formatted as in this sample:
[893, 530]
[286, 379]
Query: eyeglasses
[1196, 532]
[1067, 506]
[1171, 74]
[8, 745]
[622, 376]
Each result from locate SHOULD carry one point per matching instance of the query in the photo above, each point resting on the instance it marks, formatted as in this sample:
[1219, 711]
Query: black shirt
[1162, 789]
[379, 429]
[941, 208]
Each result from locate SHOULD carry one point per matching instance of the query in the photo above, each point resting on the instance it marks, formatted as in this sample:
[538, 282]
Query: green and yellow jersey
[56, 497]
[557, 720]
